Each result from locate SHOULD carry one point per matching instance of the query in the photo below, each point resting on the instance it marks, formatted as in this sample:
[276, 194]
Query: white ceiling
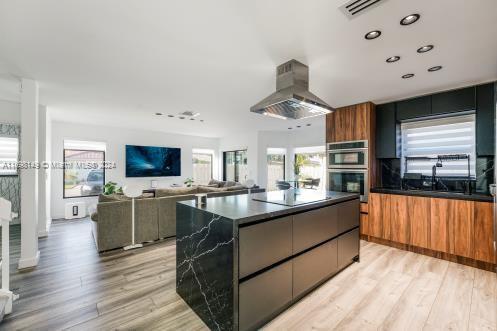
[117, 62]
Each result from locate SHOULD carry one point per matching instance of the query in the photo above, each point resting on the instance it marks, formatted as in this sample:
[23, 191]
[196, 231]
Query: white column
[29, 177]
[44, 220]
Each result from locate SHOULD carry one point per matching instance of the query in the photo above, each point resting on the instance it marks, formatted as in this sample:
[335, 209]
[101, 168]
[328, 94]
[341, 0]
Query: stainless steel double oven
[348, 167]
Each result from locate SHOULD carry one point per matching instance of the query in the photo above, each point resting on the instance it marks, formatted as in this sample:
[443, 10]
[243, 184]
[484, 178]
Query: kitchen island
[242, 260]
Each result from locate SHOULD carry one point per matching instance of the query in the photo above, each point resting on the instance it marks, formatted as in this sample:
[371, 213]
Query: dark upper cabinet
[413, 108]
[386, 132]
[485, 119]
[453, 101]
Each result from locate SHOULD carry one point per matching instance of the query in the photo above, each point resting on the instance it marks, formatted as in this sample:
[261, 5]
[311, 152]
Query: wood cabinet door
[364, 224]
[379, 215]
[399, 220]
[461, 219]
[375, 228]
[419, 211]
[439, 228]
[348, 123]
[484, 232]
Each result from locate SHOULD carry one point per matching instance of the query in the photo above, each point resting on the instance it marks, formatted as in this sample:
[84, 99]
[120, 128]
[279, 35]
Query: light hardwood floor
[75, 288]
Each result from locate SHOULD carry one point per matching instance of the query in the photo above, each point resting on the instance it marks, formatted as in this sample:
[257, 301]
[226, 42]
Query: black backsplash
[390, 177]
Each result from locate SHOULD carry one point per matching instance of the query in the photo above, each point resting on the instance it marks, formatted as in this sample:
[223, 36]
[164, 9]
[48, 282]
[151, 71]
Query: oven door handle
[358, 171]
[337, 151]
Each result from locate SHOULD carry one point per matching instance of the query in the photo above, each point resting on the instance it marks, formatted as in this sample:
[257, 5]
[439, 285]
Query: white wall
[116, 139]
[10, 112]
[44, 147]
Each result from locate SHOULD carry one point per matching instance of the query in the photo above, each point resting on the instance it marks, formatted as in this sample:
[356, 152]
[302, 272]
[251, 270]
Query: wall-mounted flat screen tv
[148, 161]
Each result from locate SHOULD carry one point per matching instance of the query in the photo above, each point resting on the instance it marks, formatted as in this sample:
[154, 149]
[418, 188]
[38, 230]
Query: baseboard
[30, 262]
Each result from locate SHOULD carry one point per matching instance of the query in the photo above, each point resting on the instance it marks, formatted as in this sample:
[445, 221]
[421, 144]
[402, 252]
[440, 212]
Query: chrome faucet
[438, 164]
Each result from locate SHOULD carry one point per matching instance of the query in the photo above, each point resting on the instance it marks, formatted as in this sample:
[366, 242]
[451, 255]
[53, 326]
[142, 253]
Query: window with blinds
[9, 154]
[445, 136]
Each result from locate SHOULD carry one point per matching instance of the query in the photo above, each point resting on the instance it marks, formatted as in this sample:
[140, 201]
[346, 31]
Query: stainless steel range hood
[292, 99]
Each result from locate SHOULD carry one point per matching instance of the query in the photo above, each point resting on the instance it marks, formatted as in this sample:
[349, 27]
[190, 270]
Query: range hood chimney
[292, 99]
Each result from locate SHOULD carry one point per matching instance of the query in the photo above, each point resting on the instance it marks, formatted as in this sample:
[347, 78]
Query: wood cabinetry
[419, 213]
[455, 227]
[399, 219]
[461, 216]
[350, 123]
[483, 228]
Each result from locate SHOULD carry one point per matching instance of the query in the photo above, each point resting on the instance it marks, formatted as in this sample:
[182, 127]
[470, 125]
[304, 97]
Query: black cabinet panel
[413, 108]
[485, 120]
[386, 132]
[453, 101]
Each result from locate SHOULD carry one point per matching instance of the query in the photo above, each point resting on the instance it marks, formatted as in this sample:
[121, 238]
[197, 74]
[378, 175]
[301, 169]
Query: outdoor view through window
[81, 180]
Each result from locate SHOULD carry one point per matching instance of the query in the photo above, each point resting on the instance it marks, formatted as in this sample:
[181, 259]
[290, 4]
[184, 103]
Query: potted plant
[111, 188]
[188, 182]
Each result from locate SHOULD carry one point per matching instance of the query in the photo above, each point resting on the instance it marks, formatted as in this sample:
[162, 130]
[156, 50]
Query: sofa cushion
[208, 189]
[170, 192]
[238, 187]
[112, 197]
[216, 183]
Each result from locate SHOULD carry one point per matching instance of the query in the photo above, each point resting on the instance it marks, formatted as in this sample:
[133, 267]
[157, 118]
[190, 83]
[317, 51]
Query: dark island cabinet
[453, 101]
[386, 132]
[485, 119]
[414, 108]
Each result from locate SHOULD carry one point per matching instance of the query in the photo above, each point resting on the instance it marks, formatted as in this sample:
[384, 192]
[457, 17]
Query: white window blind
[9, 154]
[446, 136]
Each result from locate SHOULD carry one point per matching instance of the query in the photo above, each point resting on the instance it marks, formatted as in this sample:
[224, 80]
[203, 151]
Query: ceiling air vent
[354, 8]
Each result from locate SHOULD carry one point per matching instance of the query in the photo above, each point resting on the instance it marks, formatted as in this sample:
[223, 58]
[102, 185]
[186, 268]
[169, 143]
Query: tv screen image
[148, 161]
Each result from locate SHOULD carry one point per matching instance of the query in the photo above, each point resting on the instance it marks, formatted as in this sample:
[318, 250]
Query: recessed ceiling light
[201, 120]
[435, 68]
[425, 49]
[170, 115]
[408, 76]
[158, 114]
[181, 117]
[409, 19]
[289, 128]
[298, 126]
[393, 59]
[372, 34]
[308, 124]
[192, 119]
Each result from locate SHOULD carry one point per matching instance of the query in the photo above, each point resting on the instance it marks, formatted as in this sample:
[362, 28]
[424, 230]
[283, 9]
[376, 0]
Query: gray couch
[155, 218]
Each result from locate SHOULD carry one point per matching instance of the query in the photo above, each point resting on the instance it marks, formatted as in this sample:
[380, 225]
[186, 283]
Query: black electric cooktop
[293, 197]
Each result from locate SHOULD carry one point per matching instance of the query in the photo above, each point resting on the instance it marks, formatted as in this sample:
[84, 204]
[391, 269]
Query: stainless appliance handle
[348, 170]
[335, 151]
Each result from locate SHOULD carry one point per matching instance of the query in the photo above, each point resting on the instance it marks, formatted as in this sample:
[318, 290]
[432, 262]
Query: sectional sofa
[155, 217]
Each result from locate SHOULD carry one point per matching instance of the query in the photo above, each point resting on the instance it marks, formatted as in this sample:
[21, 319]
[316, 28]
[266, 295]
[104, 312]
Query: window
[310, 163]
[202, 166]
[9, 154]
[235, 167]
[84, 174]
[275, 167]
[438, 137]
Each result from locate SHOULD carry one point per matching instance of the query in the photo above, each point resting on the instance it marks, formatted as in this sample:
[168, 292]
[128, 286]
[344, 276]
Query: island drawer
[312, 267]
[264, 295]
[264, 244]
[348, 215]
[348, 247]
[314, 227]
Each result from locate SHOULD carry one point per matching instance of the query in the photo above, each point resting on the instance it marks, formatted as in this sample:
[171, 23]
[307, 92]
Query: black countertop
[436, 194]
[244, 209]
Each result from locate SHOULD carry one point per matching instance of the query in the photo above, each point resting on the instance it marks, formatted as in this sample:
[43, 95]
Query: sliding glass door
[235, 166]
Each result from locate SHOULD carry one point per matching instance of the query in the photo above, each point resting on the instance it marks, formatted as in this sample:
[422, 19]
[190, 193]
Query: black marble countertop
[243, 209]
[436, 194]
